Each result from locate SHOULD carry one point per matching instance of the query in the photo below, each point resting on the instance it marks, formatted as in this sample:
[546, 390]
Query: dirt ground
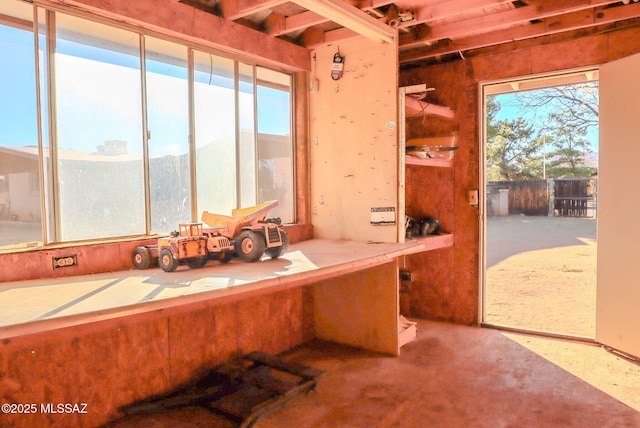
[541, 274]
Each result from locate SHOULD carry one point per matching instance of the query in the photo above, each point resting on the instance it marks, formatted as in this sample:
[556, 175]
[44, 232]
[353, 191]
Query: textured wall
[353, 141]
[115, 362]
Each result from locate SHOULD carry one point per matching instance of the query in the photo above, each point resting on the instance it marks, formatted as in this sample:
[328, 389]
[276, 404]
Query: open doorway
[540, 206]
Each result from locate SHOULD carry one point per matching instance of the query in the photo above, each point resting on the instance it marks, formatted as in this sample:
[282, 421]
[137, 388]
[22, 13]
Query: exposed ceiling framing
[427, 30]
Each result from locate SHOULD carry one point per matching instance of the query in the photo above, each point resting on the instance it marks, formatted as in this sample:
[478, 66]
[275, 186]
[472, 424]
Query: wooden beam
[193, 26]
[372, 4]
[452, 8]
[274, 24]
[536, 10]
[314, 38]
[298, 22]
[309, 18]
[351, 17]
[235, 9]
[559, 24]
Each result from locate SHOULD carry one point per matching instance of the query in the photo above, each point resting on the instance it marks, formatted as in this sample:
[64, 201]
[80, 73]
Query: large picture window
[115, 133]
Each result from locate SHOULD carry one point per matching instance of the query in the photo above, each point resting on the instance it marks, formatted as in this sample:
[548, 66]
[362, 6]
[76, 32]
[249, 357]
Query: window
[247, 135]
[275, 155]
[34, 182]
[4, 184]
[215, 133]
[20, 212]
[168, 134]
[136, 134]
[99, 131]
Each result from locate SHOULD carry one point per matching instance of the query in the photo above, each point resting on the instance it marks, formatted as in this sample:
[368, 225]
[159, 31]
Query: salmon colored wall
[112, 363]
[446, 287]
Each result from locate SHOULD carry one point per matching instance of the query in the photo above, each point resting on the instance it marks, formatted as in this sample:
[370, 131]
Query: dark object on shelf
[429, 226]
[426, 226]
[239, 394]
[411, 227]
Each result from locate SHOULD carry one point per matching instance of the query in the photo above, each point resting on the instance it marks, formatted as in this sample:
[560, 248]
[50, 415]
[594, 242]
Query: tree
[569, 147]
[576, 105]
[513, 152]
[571, 111]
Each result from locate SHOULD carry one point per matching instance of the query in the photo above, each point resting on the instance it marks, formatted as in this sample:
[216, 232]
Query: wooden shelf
[407, 331]
[434, 242]
[412, 160]
[415, 107]
[432, 142]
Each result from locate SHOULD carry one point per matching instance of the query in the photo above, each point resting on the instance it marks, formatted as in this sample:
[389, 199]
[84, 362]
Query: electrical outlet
[406, 275]
[473, 197]
[64, 261]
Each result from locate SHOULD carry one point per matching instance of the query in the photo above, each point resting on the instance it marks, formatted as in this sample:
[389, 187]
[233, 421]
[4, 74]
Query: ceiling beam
[536, 10]
[298, 22]
[569, 22]
[313, 37]
[309, 19]
[236, 9]
[452, 8]
[351, 17]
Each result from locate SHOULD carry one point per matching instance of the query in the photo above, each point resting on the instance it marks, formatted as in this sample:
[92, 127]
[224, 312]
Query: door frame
[503, 86]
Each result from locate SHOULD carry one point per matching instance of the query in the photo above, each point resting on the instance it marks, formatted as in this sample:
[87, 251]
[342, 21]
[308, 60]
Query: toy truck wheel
[275, 252]
[197, 262]
[226, 257]
[141, 258]
[250, 246]
[222, 256]
[166, 260]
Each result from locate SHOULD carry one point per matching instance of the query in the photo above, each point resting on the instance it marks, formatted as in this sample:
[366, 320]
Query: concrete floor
[452, 376]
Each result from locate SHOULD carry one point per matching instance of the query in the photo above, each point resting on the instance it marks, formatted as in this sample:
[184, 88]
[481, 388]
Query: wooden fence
[571, 197]
[567, 197]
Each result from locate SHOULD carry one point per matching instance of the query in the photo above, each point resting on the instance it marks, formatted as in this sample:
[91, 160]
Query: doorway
[540, 179]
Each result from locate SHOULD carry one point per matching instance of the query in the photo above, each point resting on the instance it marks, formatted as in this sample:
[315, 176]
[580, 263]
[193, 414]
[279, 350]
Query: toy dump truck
[246, 234]
[190, 244]
[251, 233]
